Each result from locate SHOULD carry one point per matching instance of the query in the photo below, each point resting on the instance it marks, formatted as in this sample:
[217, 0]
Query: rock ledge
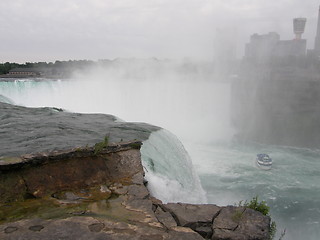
[82, 194]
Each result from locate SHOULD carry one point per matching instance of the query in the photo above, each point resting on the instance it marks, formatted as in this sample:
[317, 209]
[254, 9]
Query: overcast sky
[38, 30]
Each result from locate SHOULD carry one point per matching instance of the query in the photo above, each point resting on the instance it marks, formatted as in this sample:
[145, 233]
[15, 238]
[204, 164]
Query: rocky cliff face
[85, 194]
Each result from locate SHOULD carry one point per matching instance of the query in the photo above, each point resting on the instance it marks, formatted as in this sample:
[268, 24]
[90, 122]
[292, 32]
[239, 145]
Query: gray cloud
[36, 30]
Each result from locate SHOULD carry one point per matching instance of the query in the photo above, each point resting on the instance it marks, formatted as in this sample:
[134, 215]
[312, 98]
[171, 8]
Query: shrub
[100, 145]
[264, 209]
[258, 206]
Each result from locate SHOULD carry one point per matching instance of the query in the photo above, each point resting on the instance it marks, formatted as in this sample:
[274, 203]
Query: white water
[169, 171]
[197, 111]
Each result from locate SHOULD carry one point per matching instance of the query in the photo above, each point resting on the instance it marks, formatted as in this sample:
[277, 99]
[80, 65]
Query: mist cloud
[36, 30]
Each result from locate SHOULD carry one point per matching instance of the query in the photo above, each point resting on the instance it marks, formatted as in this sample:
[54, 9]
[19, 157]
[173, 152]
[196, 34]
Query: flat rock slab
[197, 217]
[32, 130]
[165, 218]
[187, 214]
[84, 228]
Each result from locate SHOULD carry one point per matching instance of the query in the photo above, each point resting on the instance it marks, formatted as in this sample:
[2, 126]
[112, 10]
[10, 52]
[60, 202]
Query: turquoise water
[198, 113]
[291, 188]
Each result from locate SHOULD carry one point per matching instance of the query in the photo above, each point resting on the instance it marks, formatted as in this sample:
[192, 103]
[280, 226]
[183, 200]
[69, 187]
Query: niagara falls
[146, 120]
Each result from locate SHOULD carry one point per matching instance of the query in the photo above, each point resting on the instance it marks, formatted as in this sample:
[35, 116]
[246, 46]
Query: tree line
[71, 64]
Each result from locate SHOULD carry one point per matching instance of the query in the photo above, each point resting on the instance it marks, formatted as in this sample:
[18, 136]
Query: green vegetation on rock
[98, 147]
[264, 209]
[237, 216]
[136, 145]
[258, 206]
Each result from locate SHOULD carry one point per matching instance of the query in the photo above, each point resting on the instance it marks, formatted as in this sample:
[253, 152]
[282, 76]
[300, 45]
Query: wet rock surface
[33, 130]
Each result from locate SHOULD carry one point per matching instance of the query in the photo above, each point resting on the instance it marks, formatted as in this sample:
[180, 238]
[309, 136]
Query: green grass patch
[98, 147]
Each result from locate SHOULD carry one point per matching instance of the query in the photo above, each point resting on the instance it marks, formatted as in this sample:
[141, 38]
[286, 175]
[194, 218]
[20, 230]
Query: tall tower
[298, 27]
[317, 40]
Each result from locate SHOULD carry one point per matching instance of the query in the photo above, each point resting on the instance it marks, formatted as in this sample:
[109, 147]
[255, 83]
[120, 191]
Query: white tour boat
[264, 161]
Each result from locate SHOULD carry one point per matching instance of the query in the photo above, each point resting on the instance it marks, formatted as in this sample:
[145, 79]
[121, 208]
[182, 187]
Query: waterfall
[5, 99]
[168, 166]
[169, 170]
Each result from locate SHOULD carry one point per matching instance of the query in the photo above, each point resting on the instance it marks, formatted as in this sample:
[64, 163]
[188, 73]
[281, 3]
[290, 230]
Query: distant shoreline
[9, 77]
[17, 76]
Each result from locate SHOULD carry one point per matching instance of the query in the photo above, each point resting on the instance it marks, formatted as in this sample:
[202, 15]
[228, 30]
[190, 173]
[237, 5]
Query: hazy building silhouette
[317, 40]
[298, 27]
[263, 48]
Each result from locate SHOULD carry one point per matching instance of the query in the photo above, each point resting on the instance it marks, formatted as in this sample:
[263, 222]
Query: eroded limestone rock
[48, 173]
[240, 223]
[197, 217]
[78, 194]
[165, 218]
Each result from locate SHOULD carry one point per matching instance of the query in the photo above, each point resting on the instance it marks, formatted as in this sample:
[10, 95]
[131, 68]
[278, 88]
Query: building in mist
[314, 54]
[317, 40]
[298, 27]
[263, 48]
[31, 72]
[291, 48]
[277, 82]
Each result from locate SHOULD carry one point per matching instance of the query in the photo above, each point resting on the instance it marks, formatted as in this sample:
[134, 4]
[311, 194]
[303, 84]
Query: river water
[197, 111]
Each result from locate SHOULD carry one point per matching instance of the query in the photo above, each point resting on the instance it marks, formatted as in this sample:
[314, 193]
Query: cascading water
[5, 100]
[169, 171]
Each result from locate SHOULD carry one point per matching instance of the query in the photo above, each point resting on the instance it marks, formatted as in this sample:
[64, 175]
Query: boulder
[185, 213]
[165, 218]
[238, 223]
[197, 217]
